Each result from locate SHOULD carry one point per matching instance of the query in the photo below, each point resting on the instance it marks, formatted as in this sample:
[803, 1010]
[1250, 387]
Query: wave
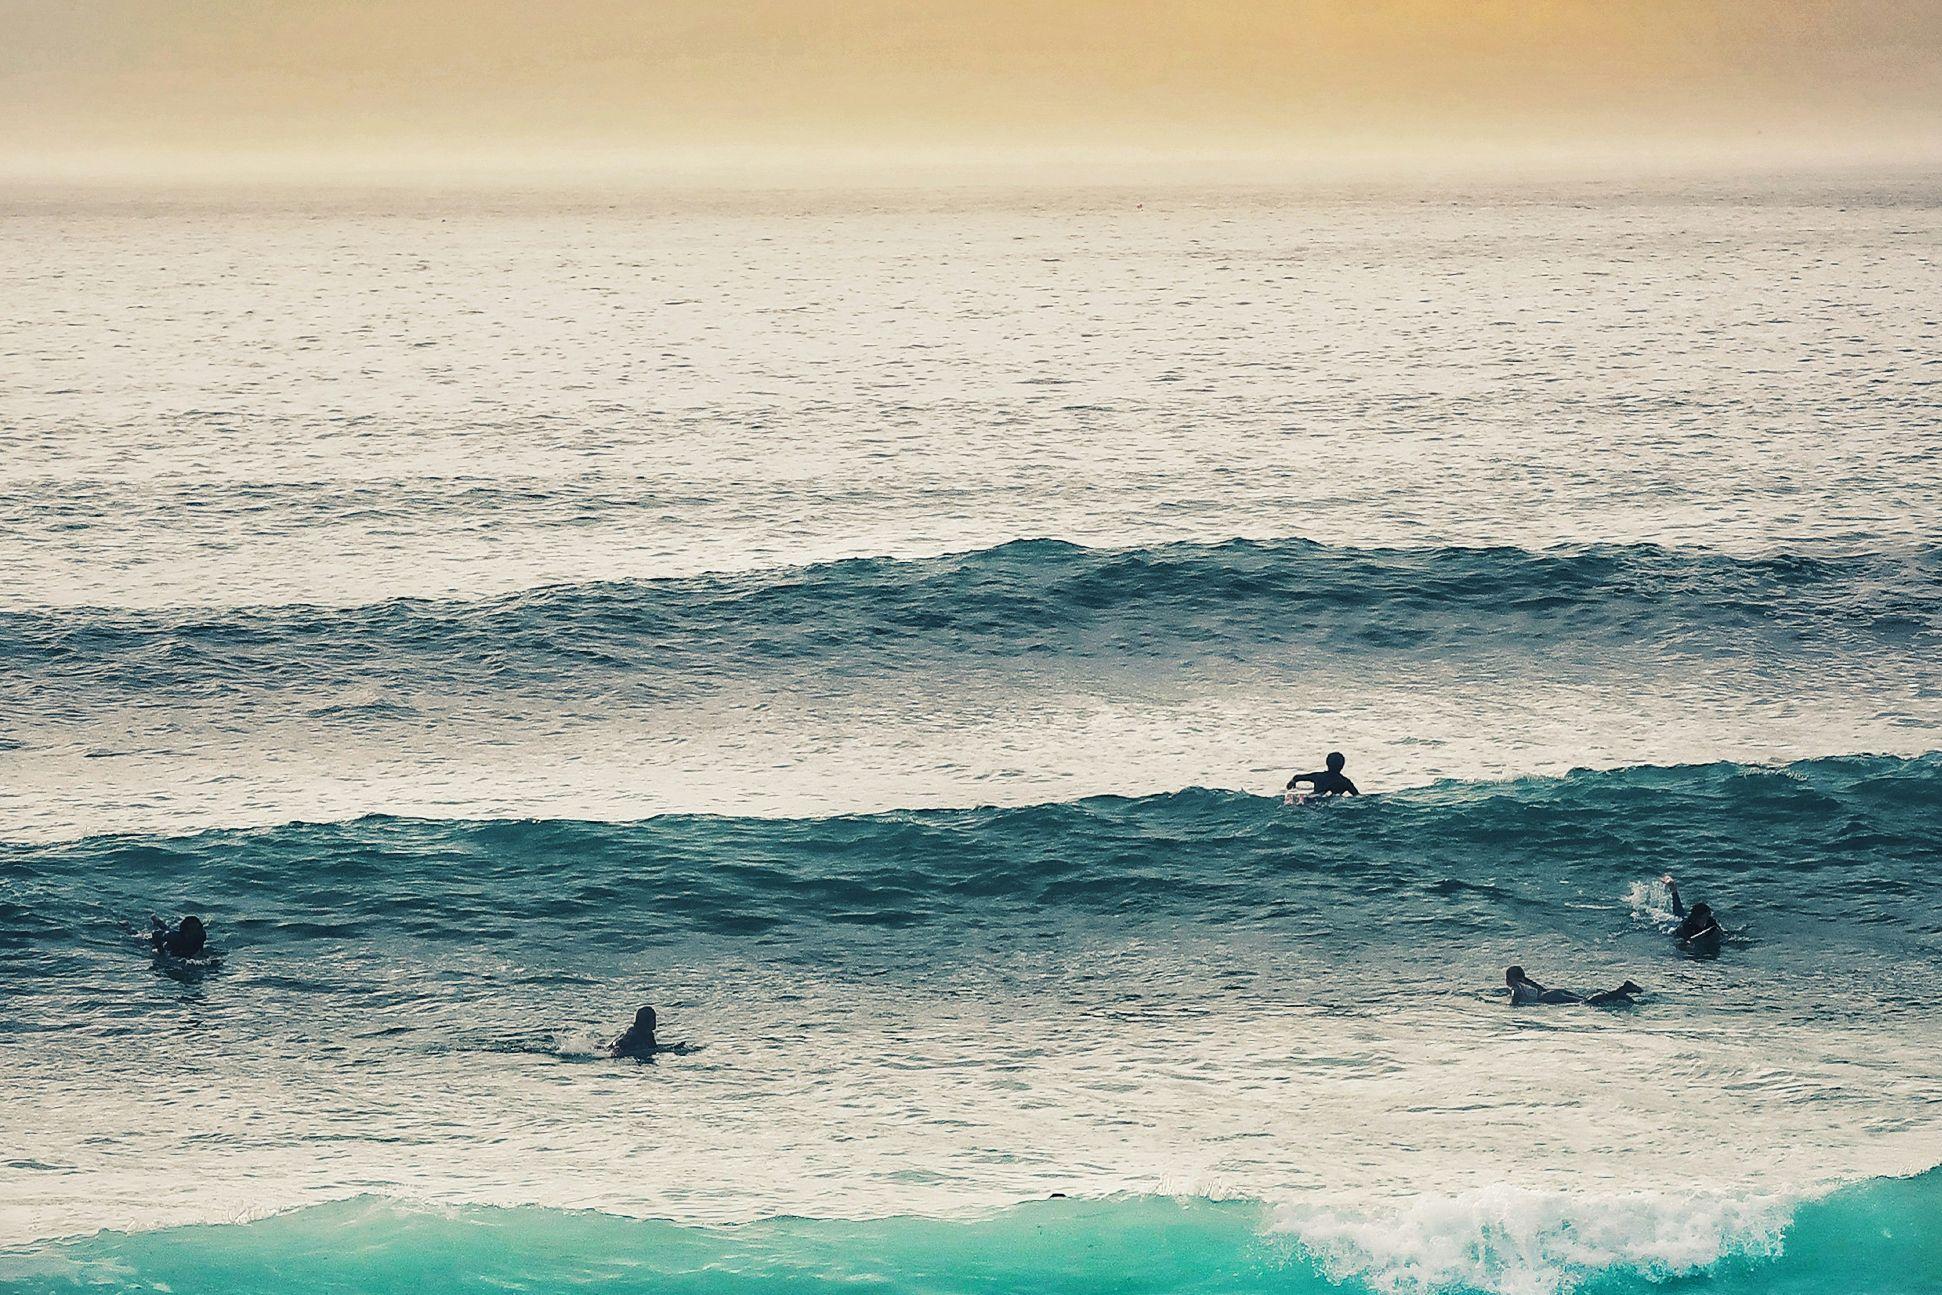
[1875, 1237]
[1229, 606]
[1847, 841]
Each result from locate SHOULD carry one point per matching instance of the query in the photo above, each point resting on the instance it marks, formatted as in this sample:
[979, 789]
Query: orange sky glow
[550, 84]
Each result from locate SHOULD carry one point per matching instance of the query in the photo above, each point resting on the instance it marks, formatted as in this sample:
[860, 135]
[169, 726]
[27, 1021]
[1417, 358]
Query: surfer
[1698, 929]
[187, 939]
[1525, 990]
[1330, 781]
[639, 1042]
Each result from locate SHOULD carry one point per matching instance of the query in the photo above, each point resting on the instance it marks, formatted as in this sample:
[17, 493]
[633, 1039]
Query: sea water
[874, 628]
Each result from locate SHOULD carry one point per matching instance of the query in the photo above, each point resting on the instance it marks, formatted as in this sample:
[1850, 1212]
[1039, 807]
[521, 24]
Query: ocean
[875, 629]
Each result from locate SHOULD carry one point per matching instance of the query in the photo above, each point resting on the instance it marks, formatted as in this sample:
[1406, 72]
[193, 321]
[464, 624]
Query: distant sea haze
[877, 634]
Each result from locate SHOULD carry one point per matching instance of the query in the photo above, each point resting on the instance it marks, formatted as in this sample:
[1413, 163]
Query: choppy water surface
[824, 616]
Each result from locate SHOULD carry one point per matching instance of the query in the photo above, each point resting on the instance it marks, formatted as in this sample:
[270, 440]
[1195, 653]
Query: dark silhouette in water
[1330, 781]
[1698, 930]
[1525, 990]
[187, 939]
[639, 1042]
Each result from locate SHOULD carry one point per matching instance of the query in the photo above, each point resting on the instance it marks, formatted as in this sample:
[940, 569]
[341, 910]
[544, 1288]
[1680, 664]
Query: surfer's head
[1335, 761]
[1513, 975]
[643, 1023]
[193, 936]
[1701, 911]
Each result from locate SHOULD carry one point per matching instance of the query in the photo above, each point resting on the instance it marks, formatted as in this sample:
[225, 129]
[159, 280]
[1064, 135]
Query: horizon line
[742, 166]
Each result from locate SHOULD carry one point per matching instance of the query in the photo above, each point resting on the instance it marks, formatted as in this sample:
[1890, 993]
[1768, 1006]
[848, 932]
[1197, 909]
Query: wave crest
[1228, 605]
[1517, 1241]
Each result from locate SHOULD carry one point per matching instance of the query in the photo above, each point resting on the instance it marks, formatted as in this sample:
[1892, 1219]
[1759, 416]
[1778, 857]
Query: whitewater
[875, 628]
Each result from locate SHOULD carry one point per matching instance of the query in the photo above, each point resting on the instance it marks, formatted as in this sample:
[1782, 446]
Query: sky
[158, 84]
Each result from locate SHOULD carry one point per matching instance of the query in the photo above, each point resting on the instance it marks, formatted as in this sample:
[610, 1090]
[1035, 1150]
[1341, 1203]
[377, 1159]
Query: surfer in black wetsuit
[638, 1043]
[1524, 990]
[1330, 781]
[187, 939]
[1698, 929]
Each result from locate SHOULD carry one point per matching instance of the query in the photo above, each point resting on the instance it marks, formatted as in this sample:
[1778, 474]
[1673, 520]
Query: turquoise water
[876, 632]
[1881, 1237]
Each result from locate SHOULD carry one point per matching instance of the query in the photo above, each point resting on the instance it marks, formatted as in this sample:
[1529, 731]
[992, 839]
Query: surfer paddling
[1698, 930]
[186, 939]
[639, 1043]
[1524, 990]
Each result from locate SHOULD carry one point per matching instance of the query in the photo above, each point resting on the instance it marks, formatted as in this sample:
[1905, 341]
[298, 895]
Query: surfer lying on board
[1525, 990]
[1698, 929]
[1330, 781]
[187, 939]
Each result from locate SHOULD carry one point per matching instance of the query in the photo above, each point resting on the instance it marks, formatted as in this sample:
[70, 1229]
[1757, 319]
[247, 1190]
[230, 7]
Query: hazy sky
[564, 79]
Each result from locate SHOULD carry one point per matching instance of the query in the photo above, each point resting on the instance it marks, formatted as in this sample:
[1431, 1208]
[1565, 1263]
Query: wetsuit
[1523, 992]
[1326, 782]
[1526, 991]
[638, 1047]
[178, 943]
[1694, 928]
[1697, 926]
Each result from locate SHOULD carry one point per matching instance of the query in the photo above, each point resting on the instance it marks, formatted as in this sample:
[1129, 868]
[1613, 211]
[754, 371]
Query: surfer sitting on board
[1330, 781]
[1525, 990]
[1698, 928]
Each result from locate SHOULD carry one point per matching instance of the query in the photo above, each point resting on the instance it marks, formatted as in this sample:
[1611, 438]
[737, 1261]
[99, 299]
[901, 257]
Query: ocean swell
[1023, 605]
[1839, 848]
